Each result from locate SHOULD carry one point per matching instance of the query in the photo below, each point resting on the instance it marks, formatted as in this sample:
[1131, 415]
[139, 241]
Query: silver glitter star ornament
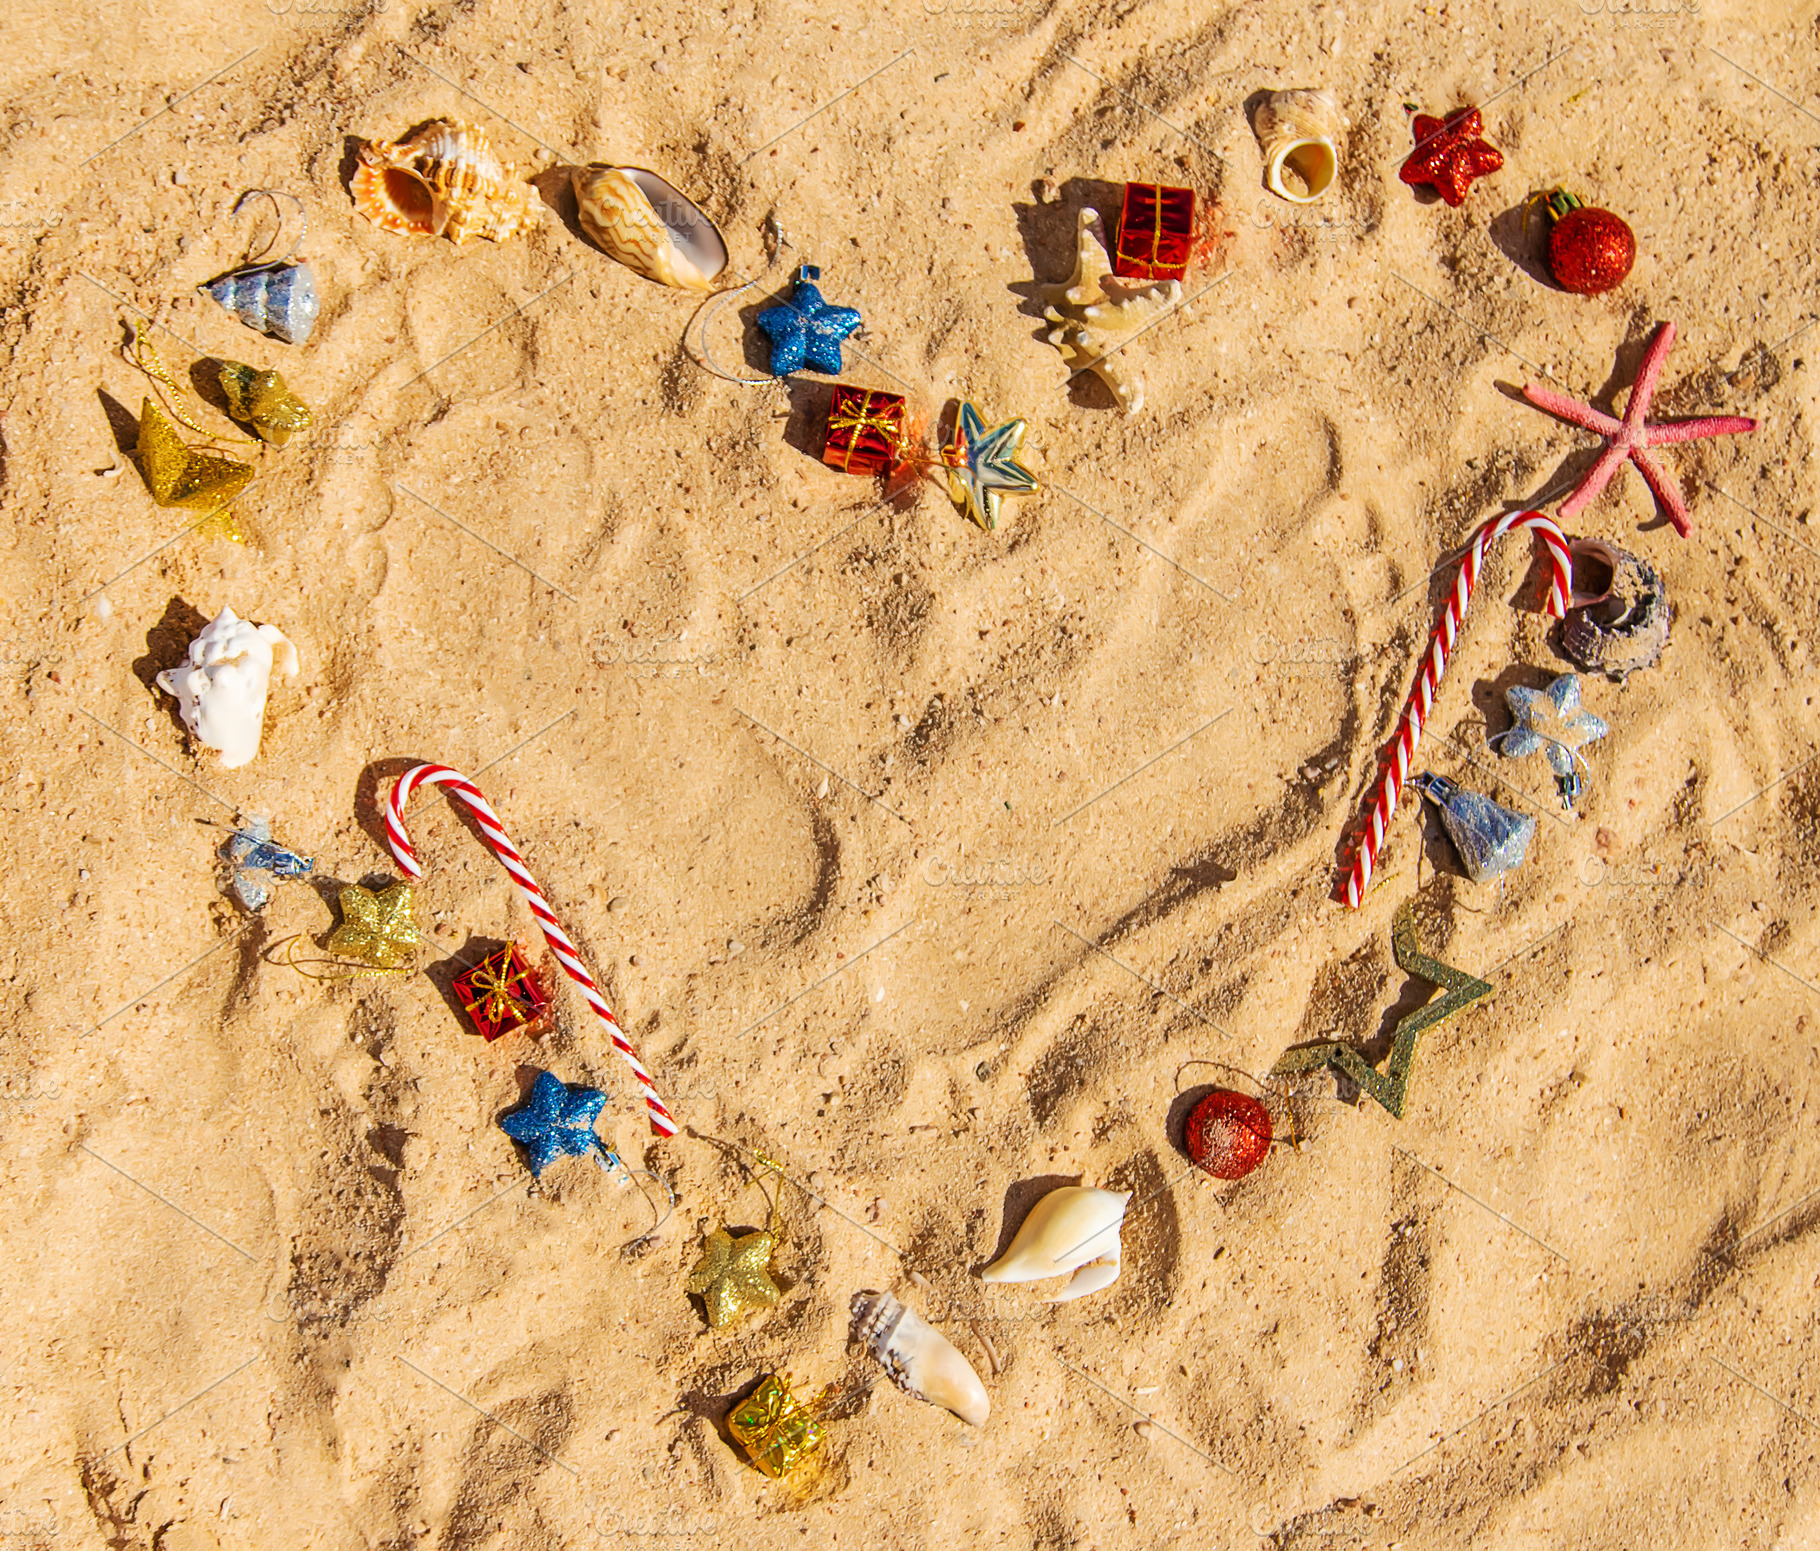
[1551, 722]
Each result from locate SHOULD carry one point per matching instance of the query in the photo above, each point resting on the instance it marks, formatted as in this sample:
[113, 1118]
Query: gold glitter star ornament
[733, 1276]
[376, 929]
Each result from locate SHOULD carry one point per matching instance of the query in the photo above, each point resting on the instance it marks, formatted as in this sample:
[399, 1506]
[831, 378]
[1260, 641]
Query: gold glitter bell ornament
[262, 401]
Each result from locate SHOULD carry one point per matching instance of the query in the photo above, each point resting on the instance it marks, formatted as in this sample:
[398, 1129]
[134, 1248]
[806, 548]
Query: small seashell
[1297, 130]
[261, 400]
[1619, 620]
[649, 225]
[443, 181]
[920, 1359]
[277, 299]
[221, 687]
[1075, 1228]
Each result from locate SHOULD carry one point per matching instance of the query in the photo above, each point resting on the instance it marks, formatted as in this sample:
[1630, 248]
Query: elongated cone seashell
[649, 226]
[443, 181]
[921, 1360]
[277, 299]
[1296, 130]
[261, 400]
[1073, 1229]
[1617, 621]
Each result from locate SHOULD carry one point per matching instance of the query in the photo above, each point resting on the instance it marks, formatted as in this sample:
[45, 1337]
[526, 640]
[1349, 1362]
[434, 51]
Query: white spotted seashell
[443, 181]
[649, 225]
[1075, 1228]
[221, 689]
[919, 1358]
[1297, 130]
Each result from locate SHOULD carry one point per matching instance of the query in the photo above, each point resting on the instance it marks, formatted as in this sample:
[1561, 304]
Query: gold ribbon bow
[889, 427]
[496, 1003]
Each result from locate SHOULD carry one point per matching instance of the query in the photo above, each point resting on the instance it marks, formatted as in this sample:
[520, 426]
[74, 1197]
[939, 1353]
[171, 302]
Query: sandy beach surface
[942, 867]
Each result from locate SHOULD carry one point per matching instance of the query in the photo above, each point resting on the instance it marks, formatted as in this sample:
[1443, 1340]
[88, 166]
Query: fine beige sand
[942, 867]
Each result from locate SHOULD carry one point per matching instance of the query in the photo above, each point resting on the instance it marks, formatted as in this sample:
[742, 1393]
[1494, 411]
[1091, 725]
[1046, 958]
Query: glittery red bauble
[1228, 1134]
[1590, 251]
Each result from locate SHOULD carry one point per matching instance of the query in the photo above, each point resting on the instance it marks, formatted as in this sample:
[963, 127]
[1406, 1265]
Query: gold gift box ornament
[775, 1428]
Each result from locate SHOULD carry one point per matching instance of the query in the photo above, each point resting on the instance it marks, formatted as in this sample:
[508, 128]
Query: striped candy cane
[566, 955]
[1402, 750]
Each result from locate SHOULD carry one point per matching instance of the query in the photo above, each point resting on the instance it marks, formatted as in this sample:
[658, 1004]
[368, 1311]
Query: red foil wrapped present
[1156, 233]
[865, 431]
[501, 993]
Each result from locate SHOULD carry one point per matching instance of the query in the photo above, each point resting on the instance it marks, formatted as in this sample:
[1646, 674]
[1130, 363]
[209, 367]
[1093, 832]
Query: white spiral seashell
[1075, 1228]
[649, 225]
[221, 690]
[1297, 130]
[919, 1358]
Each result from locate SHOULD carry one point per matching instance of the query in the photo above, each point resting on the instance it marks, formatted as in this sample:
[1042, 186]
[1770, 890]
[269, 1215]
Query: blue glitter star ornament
[806, 331]
[1550, 721]
[557, 1122]
[982, 465]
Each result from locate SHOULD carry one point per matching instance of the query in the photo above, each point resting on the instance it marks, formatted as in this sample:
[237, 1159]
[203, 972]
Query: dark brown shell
[1620, 626]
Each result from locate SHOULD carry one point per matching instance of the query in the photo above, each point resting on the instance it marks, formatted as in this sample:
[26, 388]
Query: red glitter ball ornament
[1589, 250]
[1228, 1134]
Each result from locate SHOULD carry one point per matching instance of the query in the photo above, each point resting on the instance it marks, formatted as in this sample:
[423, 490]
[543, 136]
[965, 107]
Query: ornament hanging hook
[262, 259]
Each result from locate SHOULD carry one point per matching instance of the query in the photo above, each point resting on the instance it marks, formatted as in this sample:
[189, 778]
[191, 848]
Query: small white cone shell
[921, 1360]
[221, 691]
[1067, 1229]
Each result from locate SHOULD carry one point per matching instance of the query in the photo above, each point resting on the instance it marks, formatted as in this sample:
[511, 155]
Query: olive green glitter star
[1391, 1086]
[733, 1276]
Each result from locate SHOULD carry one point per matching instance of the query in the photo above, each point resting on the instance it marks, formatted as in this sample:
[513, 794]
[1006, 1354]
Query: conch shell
[221, 690]
[443, 181]
[649, 225]
[919, 1358]
[1622, 625]
[262, 401]
[1297, 130]
[1075, 1228]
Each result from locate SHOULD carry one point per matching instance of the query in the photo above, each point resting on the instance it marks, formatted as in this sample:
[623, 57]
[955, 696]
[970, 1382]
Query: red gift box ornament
[501, 994]
[1156, 233]
[865, 431]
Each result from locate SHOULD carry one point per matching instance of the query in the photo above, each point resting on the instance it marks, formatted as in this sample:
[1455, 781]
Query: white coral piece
[221, 690]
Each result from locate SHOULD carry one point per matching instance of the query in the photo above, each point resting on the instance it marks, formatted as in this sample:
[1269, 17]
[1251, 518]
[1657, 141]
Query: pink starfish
[1631, 437]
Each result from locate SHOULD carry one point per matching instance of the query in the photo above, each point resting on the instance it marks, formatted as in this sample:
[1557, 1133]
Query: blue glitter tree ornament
[1489, 837]
[557, 1122]
[806, 331]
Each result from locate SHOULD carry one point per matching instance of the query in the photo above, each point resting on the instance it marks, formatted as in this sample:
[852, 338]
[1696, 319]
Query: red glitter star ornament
[1450, 154]
[1632, 437]
[1228, 1134]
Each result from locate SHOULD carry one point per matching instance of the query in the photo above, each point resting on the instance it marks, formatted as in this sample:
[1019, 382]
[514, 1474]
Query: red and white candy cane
[495, 832]
[1402, 748]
